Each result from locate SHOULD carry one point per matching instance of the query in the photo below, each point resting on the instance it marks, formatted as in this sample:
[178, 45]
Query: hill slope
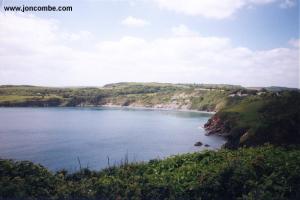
[269, 118]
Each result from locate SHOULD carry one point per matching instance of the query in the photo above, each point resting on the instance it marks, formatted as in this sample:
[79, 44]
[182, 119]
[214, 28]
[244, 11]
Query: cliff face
[227, 128]
[216, 125]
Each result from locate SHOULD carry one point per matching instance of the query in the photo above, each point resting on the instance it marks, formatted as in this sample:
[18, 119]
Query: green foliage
[209, 100]
[271, 118]
[248, 173]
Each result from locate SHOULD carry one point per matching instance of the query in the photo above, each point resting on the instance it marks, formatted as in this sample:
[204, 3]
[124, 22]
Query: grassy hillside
[158, 95]
[269, 118]
[253, 173]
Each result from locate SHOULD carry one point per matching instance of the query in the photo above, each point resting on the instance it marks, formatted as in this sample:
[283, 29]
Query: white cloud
[287, 3]
[215, 8]
[295, 42]
[43, 56]
[183, 30]
[134, 22]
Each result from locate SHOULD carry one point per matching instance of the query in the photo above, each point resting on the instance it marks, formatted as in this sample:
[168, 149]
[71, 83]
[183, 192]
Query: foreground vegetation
[248, 173]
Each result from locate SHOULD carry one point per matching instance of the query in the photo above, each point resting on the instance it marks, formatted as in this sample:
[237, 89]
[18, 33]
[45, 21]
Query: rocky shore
[216, 125]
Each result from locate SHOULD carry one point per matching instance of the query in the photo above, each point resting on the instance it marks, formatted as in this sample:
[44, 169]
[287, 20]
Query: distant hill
[205, 97]
[278, 89]
[20, 86]
[153, 84]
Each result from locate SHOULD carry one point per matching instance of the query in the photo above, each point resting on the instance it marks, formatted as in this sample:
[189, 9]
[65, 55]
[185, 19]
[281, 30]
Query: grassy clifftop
[253, 173]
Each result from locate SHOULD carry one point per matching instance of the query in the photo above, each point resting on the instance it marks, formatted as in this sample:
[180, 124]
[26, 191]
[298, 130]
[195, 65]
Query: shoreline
[154, 108]
[117, 106]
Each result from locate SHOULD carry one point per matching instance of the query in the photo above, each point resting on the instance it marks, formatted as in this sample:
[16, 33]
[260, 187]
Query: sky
[240, 42]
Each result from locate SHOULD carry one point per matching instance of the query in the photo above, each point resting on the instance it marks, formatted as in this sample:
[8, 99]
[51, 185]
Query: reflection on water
[56, 137]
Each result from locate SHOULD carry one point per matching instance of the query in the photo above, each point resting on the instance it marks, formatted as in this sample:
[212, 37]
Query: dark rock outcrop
[216, 125]
[198, 144]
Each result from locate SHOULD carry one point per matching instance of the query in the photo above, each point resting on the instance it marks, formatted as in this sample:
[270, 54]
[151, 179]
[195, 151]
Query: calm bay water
[56, 137]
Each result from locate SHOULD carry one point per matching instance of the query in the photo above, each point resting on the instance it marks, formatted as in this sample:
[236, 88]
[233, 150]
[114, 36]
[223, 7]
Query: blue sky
[246, 42]
[259, 27]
